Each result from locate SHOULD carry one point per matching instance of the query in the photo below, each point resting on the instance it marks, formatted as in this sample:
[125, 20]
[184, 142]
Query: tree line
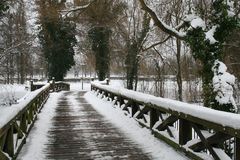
[187, 38]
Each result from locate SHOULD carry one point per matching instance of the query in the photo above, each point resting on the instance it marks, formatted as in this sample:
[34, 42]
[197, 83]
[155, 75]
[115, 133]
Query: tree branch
[79, 8]
[155, 44]
[163, 26]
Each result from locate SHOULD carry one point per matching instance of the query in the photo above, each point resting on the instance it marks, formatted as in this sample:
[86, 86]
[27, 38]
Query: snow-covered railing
[199, 132]
[60, 85]
[16, 121]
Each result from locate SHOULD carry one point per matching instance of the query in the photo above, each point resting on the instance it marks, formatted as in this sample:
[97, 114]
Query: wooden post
[153, 117]
[23, 123]
[120, 100]
[31, 85]
[53, 84]
[9, 145]
[134, 108]
[92, 79]
[185, 131]
[237, 149]
[107, 80]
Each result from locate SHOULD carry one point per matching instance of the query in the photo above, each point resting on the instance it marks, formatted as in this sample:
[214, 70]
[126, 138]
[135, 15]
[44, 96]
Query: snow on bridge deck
[69, 127]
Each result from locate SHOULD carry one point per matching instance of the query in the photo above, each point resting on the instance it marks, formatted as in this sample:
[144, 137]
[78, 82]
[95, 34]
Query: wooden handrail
[196, 132]
[13, 133]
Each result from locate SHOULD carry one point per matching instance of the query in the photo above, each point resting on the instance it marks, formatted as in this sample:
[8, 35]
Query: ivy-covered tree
[57, 37]
[206, 43]
[102, 16]
[206, 40]
[99, 37]
[58, 40]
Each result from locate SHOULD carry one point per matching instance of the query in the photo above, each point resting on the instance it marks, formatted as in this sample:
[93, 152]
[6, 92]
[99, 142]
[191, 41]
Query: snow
[34, 147]
[7, 113]
[223, 84]
[142, 136]
[201, 112]
[221, 154]
[10, 93]
[210, 34]
[32, 16]
[79, 86]
[198, 22]
[230, 10]
[172, 29]
[190, 17]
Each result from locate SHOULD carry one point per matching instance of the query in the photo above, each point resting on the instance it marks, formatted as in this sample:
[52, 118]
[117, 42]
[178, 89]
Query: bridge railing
[198, 131]
[17, 121]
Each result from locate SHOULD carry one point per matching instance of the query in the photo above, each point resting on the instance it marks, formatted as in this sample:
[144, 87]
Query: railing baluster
[185, 131]
[154, 117]
[135, 107]
[120, 100]
[210, 137]
[23, 123]
[237, 149]
[9, 144]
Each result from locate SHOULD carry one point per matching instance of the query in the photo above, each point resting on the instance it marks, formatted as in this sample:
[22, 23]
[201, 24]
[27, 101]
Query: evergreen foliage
[207, 53]
[99, 37]
[103, 16]
[58, 39]
[3, 7]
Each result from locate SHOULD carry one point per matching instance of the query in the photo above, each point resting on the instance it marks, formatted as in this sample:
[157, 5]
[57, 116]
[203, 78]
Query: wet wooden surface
[79, 132]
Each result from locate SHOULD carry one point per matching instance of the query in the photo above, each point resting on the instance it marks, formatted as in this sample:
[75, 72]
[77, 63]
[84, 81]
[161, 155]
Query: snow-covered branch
[158, 22]
[79, 8]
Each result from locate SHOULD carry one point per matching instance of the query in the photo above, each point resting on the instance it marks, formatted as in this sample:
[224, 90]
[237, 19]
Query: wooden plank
[213, 140]
[2, 140]
[9, 144]
[169, 121]
[23, 123]
[168, 129]
[128, 104]
[19, 131]
[76, 134]
[142, 112]
[203, 139]
[3, 156]
[189, 153]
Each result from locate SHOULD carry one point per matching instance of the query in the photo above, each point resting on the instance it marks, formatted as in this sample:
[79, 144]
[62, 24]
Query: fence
[13, 133]
[199, 132]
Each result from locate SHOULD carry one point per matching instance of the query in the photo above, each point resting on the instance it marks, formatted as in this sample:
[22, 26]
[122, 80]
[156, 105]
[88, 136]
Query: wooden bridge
[78, 133]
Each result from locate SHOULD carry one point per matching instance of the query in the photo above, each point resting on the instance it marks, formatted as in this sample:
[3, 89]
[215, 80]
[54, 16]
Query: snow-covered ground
[34, 148]
[142, 136]
[80, 86]
[11, 93]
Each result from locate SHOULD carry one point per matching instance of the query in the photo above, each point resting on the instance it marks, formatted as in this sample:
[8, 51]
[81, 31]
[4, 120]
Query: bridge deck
[80, 132]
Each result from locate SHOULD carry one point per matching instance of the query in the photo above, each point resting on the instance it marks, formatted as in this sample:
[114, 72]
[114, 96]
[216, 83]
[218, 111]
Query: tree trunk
[179, 72]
